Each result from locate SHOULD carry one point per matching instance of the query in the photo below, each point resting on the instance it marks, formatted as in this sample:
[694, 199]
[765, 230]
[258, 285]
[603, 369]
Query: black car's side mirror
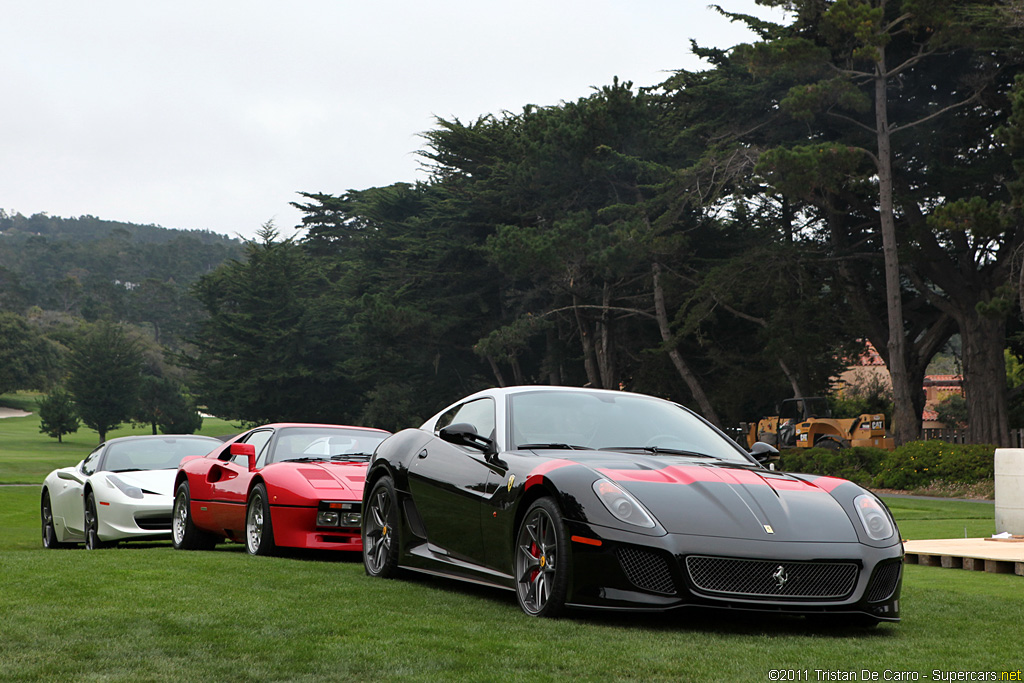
[761, 451]
[464, 434]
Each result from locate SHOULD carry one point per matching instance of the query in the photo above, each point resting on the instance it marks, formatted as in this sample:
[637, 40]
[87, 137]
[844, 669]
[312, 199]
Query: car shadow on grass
[724, 622]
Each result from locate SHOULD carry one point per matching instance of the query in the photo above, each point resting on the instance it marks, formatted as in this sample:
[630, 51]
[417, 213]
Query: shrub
[911, 466]
[859, 465]
[916, 464]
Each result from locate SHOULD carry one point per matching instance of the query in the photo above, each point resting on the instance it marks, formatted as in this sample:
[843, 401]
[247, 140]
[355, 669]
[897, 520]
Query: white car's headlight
[874, 517]
[621, 504]
[125, 488]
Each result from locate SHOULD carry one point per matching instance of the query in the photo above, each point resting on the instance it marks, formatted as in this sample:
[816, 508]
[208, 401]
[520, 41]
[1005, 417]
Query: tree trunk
[551, 362]
[793, 381]
[604, 344]
[905, 422]
[498, 377]
[517, 372]
[696, 390]
[985, 378]
[587, 344]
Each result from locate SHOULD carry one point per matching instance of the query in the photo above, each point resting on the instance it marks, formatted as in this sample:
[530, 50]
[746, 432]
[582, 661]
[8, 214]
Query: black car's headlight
[874, 517]
[621, 504]
[125, 488]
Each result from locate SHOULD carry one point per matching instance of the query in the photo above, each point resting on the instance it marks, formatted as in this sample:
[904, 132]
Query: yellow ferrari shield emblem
[511, 480]
[769, 529]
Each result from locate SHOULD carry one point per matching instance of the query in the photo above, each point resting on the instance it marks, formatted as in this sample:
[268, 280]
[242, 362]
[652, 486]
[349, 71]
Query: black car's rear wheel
[49, 532]
[184, 534]
[259, 532]
[380, 530]
[542, 560]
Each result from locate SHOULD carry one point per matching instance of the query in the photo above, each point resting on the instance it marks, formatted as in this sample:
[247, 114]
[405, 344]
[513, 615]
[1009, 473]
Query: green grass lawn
[146, 612]
[27, 456]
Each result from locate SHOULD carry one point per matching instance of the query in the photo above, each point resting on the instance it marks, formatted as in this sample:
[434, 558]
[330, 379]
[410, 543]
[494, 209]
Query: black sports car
[607, 499]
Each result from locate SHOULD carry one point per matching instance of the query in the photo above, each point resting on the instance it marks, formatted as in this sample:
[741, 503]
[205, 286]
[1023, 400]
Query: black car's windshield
[614, 421]
[325, 443]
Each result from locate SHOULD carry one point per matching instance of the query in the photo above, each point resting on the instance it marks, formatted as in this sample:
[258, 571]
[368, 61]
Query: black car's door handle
[422, 454]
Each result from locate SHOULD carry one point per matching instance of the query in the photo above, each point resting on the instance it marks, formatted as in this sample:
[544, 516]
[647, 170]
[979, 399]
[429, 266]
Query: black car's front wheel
[259, 532]
[380, 530]
[542, 560]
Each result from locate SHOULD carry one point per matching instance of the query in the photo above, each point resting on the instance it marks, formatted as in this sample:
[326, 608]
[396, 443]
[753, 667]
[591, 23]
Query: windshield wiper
[658, 449]
[554, 446]
[352, 456]
[127, 469]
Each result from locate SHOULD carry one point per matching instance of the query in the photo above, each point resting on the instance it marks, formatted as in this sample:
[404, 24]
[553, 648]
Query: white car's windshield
[612, 421]
[162, 453]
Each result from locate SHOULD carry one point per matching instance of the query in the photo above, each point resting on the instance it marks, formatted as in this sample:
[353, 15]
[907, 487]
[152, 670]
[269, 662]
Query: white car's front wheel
[92, 525]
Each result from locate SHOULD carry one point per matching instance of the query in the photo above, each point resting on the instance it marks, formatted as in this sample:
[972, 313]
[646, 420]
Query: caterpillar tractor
[808, 422]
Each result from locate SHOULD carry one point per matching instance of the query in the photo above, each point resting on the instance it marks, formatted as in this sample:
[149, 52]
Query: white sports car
[124, 490]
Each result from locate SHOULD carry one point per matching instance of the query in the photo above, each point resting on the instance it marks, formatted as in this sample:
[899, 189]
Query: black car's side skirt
[420, 557]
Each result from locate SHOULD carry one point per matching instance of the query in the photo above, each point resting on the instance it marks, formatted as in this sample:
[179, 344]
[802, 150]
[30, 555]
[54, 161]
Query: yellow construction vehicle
[807, 422]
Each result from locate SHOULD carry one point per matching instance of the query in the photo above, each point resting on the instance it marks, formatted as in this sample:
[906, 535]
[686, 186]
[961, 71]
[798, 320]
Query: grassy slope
[149, 613]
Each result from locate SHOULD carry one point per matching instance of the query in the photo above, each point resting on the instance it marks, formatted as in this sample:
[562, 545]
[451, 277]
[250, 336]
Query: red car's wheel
[542, 560]
[380, 530]
[184, 533]
[259, 532]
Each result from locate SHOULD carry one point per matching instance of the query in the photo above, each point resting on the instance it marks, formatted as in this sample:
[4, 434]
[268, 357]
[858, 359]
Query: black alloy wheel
[380, 530]
[49, 531]
[92, 525]
[542, 560]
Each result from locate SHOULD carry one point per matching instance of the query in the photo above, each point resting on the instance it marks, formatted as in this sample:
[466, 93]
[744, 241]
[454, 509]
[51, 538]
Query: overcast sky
[213, 114]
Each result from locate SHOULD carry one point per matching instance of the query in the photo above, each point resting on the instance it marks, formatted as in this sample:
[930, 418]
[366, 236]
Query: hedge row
[911, 466]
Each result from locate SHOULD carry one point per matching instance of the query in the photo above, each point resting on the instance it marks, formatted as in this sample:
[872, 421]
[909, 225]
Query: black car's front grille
[154, 523]
[772, 579]
[646, 570]
[883, 583]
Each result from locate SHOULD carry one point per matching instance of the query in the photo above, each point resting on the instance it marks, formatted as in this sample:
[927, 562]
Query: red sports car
[279, 485]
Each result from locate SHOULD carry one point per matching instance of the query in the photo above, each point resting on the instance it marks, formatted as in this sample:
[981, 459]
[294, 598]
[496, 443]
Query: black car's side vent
[883, 583]
[412, 515]
[646, 570]
[772, 579]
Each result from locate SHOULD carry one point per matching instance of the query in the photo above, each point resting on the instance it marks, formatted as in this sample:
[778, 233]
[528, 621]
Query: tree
[28, 360]
[180, 415]
[57, 414]
[913, 90]
[269, 349]
[104, 375]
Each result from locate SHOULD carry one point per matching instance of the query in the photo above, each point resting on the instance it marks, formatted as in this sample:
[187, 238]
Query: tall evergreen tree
[103, 376]
[57, 415]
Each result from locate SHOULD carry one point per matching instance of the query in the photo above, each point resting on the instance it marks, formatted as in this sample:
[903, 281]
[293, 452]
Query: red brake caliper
[535, 551]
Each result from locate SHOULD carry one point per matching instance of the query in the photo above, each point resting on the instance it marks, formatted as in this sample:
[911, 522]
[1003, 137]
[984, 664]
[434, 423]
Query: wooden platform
[998, 556]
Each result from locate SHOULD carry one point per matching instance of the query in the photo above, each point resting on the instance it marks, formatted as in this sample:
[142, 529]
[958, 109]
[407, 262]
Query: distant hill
[93, 268]
[88, 228]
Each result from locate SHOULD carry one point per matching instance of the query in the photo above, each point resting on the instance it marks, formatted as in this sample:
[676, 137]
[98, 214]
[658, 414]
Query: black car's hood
[718, 499]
